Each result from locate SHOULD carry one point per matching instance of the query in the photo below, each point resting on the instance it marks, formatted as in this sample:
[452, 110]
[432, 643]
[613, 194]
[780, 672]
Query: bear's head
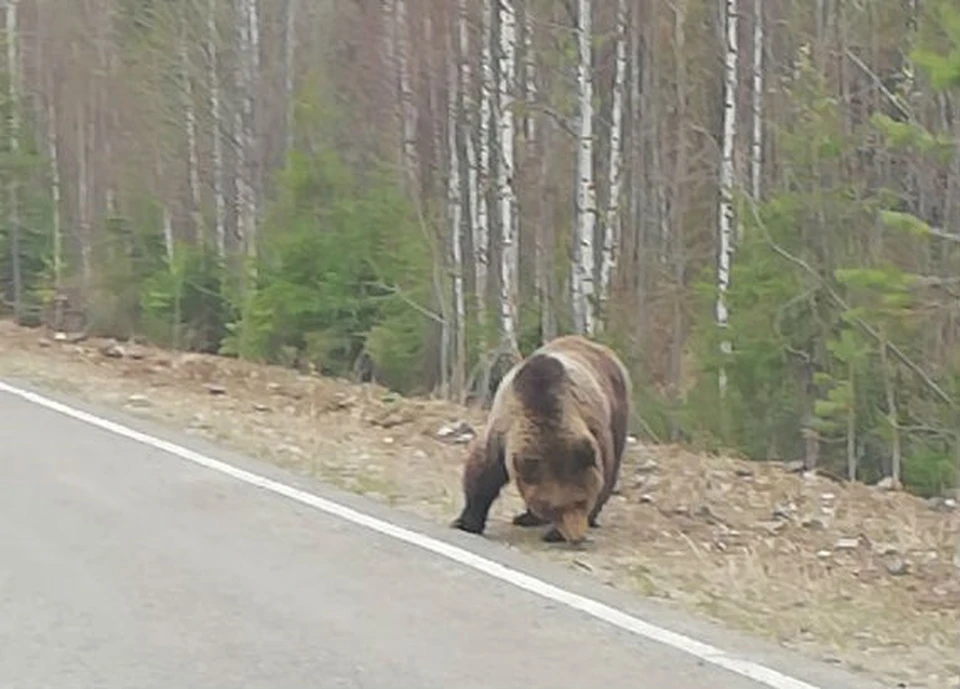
[551, 455]
[560, 478]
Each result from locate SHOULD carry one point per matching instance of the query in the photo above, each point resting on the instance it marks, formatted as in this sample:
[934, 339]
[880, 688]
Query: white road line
[705, 652]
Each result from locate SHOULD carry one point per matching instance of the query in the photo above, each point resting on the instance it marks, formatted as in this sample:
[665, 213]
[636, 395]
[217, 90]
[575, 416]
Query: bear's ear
[529, 469]
[583, 454]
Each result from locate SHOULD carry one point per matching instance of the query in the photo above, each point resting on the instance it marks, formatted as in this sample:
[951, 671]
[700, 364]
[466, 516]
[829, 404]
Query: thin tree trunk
[584, 273]
[508, 240]
[611, 225]
[529, 74]
[13, 212]
[726, 219]
[852, 430]
[290, 44]
[408, 107]
[53, 151]
[892, 415]
[455, 200]
[678, 207]
[83, 197]
[466, 119]
[482, 238]
[756, 144]
[250, 138]
[190, 127]
[220, 199]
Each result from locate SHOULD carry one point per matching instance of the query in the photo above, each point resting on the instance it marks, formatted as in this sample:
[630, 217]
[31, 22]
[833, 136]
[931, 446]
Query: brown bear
[557, 427]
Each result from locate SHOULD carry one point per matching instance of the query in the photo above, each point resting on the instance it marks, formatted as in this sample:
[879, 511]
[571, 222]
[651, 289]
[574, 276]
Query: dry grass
[860, 576]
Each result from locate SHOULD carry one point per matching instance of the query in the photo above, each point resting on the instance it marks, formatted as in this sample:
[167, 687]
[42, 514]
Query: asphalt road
[124, 566]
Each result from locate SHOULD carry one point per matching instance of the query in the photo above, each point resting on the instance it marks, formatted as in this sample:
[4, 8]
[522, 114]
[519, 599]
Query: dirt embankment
[864, 577]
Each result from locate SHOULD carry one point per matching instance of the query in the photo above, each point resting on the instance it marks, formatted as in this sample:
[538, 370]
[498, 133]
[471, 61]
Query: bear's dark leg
[528, 518]
[553, 535]
[485, 475]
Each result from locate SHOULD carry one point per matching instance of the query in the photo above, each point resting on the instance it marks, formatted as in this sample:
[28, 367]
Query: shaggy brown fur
[557, 427]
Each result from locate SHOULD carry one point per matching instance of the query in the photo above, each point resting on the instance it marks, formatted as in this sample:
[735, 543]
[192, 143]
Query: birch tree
[756, 143]
[611, 225]
[190, 128]
[584, 265]
[53, 153]
[465, 121]
[216, 116]
[13, 211]
[507, 197]
[726, 220]
[481, 239]
[455, 204]
[408, 108]
[289, 69]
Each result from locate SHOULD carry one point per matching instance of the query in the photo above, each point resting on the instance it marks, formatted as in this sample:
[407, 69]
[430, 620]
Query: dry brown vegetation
[859, 575]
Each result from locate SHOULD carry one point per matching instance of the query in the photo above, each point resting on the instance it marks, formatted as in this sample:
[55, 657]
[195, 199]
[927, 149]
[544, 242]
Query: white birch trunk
[168, 234]
[220, 199]
[529, 73]
[250, 130]
[53, 151]
[455, 200]
[726, 219]
[241, 181]
[247, 49]
[290, 45]
[756, 143]
[13, 214]
[508, 239]
[467, 120]
[408, 108]
[190, 126]
[583, 283]
[482, 237]
[611, 225]
[83, 195]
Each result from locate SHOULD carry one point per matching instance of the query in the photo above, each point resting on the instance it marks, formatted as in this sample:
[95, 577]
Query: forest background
[757, 202]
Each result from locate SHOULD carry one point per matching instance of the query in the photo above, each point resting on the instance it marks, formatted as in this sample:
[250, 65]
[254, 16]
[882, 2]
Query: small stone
[794, 467]
[847, 544]
[260, 407]
[950, 504]
[782, 511]
[822, 554]
[887, 483]
[647, 466]
[646, 499]
[215, 389]
[60, 336]
[884, 549]
[138, 400]
[813, 523]
[198, 421]
[631, 440]
[582, 564]
[388, 440]
[743, 472]
[457, 431]
[827, 497]
[44, 342]
[773, 527]
[898, 567]
[463, 439]
[112, 350]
